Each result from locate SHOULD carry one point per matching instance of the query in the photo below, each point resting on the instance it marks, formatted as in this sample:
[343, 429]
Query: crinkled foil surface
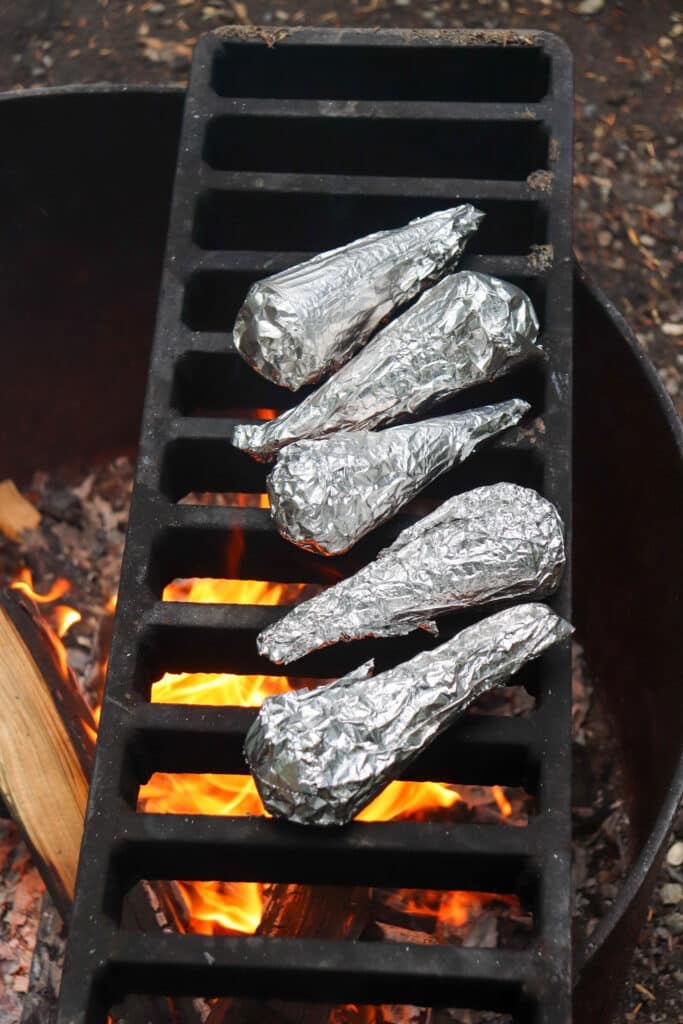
[326, 494]
[319, 756]
[465, 330]
[300, 324]
[489, 543]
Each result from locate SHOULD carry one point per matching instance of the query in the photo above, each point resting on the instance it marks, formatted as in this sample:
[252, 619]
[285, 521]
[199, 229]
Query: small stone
[675, 855]
[663, 209]
[647, 240]
[590, 6]
[671, 893]
[665, 42]
[674, 923]
[604, 238]
[156, 8]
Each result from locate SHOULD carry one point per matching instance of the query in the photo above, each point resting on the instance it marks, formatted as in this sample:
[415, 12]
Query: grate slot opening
[213, 297]
[214, 466]
[410, 798]
[211, 383]
[486, 150]
[210, 465]
[410, 915]
[476, 73]
[303, 222]
[184, 553]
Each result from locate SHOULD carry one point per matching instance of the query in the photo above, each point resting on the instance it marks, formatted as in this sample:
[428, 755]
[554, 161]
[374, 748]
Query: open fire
[237, 907]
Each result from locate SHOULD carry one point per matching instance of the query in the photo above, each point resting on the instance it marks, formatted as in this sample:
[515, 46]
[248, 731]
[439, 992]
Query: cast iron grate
[287, 149]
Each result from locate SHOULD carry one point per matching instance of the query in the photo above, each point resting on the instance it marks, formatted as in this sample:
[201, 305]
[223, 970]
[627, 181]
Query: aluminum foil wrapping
[493, 542]
[298, 325]
[326, 494]
[465, 330]
[319, 756]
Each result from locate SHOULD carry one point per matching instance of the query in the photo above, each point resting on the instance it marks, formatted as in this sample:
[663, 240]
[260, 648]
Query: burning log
[299, 911]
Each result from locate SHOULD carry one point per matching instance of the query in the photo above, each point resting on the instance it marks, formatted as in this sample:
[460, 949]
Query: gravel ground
[628, 108]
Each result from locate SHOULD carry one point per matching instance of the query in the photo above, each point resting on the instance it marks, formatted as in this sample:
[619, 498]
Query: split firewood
[299, 911]
[45, 748]
[16, 512]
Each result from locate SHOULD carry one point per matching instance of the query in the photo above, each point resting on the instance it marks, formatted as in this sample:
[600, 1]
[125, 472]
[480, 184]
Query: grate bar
[378, 854]
[378, 109]
[333, 971]
[455, 190]
[481, 749]
[259, 263]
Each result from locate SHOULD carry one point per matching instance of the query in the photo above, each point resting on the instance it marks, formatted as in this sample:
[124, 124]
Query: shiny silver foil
[493, 542]
[326, 494]
[465, 330]
[300, 324]
[319, 756]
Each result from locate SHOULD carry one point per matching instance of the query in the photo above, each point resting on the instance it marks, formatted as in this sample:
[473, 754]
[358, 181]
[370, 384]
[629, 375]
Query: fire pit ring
[69, 264]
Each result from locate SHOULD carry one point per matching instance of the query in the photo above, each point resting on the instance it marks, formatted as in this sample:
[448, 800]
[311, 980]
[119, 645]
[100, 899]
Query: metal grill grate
[287, 149]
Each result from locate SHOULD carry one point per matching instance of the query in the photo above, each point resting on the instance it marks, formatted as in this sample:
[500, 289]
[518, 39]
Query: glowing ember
[452, 909]
[504, 805]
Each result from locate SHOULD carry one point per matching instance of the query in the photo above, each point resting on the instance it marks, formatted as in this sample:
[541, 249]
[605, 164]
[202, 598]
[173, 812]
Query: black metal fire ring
[113, 115]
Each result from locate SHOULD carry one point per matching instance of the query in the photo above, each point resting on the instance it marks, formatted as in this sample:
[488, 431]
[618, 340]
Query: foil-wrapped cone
[490, 543]
[326, 494]
[298, 325]
[319, 756]
[465, 330]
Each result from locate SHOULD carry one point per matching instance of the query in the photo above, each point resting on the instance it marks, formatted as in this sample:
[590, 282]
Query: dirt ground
[628, 158]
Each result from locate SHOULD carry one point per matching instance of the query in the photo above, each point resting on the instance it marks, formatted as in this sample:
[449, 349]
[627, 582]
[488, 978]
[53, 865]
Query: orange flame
[236, 907]
[216, 690]
[504, 805]
[24, 581]
[65, 618]
[223, 591]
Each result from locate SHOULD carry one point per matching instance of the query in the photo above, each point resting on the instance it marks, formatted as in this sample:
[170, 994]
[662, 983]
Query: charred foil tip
[298, 325]
[326, 494]
[318, 757]
[468, 329]
[487, 544]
